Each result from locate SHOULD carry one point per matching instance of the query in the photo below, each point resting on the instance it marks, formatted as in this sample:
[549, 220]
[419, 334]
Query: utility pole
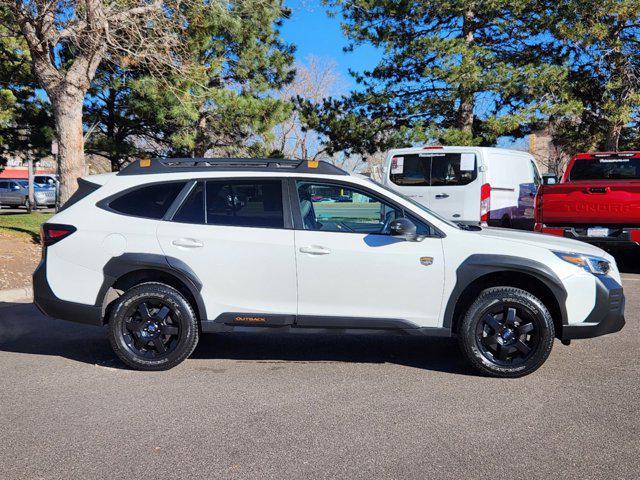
[54, 151]
[31, 202]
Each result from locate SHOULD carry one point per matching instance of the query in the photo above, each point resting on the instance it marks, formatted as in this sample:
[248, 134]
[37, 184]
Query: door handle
[315, 250]
[442, 195]
[188, 243]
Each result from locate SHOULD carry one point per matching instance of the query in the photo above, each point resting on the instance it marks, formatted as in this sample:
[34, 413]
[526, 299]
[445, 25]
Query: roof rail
[168, 165]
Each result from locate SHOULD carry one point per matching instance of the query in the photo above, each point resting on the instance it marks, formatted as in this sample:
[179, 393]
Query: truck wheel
[507, 332]
[153, 327]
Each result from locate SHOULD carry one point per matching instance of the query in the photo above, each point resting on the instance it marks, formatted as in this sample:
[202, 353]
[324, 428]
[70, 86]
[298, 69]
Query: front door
[233, 235]
[350, 266]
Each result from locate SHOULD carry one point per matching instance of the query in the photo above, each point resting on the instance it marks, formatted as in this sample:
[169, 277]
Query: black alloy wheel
[150, 330]
[507, 335]
[152, 326]
[506, 332]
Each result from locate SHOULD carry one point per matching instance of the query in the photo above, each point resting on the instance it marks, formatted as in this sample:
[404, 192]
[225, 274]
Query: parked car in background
[470, 185]
[46, 179]
[597, 200]
[15, 193]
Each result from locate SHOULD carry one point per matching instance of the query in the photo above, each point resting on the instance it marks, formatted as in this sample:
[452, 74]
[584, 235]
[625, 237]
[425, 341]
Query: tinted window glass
[3, 184]
[611, 168]
[434, 169]
[192, 210]
[151, 201]
[245, 203]
[336, 208]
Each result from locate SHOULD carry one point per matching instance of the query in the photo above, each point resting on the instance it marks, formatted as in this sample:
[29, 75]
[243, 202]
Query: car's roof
[181, 165]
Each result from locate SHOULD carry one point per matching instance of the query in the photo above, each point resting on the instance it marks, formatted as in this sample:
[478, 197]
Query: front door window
[331, 207]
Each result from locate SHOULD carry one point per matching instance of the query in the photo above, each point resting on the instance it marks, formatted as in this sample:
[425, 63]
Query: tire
[153, 327]
[507, 332]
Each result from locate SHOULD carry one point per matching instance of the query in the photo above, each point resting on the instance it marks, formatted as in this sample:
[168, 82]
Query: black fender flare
[479, 265]
[126, 263]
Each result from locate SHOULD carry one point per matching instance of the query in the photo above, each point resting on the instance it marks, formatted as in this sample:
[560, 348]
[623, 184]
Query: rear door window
[434, 169]
[151, 201]
[244, 203]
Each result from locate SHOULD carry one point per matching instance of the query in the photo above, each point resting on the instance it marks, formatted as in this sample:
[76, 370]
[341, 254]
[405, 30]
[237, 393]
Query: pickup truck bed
[597, 200]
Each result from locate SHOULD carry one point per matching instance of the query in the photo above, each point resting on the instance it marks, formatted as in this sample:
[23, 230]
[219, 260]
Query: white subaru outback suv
[168, 249]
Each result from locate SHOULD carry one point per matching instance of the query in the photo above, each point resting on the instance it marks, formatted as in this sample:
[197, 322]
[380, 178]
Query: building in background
[548, 155]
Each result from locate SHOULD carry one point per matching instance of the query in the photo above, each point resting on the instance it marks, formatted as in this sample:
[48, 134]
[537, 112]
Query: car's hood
[551, 242]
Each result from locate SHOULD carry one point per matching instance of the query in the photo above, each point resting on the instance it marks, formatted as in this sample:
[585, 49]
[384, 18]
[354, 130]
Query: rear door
[447, 182]
[237, 236]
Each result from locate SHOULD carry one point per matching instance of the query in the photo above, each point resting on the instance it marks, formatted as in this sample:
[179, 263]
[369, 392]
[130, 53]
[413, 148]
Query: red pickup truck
[597, 200]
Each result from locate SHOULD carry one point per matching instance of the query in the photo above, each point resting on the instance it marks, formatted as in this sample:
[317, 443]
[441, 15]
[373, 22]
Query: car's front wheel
[153, 327]
[507, 332]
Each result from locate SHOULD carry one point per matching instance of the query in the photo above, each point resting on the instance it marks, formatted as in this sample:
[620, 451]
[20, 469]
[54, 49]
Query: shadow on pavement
[628, 262]
[24, 330]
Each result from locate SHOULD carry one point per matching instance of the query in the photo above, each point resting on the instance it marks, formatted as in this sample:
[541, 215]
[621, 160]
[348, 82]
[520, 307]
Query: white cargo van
[471, 185]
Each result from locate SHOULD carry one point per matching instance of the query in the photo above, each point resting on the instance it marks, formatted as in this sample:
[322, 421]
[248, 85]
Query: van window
[537, 180]
[434, 169]
[245, 203]
[151, 201]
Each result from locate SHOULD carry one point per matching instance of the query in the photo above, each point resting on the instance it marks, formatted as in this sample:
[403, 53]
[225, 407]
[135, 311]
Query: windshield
[416, 204]
[610, 168]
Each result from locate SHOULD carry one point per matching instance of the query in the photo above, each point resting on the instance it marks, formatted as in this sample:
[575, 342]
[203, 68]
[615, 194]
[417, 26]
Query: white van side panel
[510, 176]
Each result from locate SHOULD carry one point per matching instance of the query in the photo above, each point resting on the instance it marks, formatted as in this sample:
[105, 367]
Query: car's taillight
[51, 233]
[485, 202]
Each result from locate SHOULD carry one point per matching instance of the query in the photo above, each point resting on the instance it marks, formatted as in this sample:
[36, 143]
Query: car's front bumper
[52, 306]
[607, 315]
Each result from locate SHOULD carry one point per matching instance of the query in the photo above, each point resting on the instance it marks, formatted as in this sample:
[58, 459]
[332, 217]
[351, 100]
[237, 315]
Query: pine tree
[459, 72]
[224, 106]
[600, 41]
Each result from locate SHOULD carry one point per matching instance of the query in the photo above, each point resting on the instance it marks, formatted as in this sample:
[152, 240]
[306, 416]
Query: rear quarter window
[151, 201]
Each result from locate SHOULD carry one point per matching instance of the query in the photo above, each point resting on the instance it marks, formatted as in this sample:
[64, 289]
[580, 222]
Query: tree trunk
[612, 139]
[465, 93]
[68, 120]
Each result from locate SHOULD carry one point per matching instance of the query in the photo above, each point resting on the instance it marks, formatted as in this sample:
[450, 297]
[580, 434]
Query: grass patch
[23, 224]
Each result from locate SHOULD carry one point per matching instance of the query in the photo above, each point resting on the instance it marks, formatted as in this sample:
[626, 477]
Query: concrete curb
[24, 293]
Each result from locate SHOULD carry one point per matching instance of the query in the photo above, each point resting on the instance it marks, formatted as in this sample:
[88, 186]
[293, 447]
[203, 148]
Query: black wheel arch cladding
[481, 265]
[128, 263]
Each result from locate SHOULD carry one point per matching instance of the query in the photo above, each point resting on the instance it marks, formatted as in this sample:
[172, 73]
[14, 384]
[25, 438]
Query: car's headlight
[595, 265]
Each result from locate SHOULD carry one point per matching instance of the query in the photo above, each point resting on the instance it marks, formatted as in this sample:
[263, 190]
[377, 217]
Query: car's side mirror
[549, 179]
[405, 229]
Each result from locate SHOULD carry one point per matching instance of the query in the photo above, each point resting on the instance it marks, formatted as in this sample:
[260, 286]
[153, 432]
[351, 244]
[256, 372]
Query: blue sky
[315, 33]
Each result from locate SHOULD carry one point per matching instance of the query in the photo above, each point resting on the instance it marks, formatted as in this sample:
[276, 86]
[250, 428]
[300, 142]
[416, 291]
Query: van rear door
[447, 182]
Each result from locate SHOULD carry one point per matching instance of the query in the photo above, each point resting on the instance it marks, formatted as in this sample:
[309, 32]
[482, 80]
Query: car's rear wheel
[507, 332]
[153, 327]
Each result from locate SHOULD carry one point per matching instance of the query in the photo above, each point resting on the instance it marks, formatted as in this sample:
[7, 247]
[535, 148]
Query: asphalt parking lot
[260, 406]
